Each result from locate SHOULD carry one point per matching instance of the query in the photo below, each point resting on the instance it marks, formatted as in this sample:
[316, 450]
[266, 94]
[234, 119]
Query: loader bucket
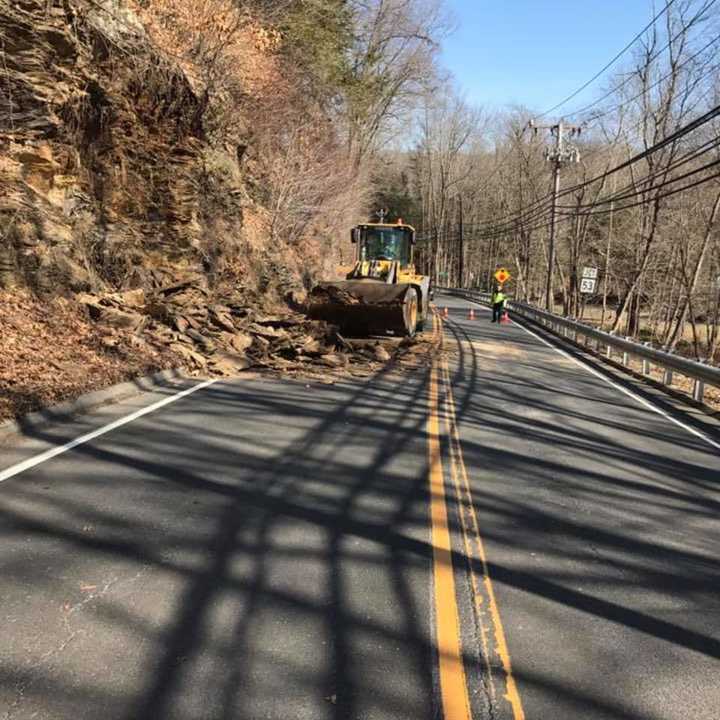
[365, 307]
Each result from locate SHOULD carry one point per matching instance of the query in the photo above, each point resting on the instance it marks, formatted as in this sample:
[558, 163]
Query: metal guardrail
[606, 343]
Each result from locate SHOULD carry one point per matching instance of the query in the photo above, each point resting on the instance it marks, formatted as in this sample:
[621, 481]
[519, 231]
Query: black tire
[410, 311]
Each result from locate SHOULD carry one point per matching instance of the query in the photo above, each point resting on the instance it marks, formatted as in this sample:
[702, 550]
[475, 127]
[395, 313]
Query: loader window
[390, 243]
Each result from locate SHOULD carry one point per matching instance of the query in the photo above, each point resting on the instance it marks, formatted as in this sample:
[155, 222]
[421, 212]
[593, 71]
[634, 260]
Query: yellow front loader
[382, 293]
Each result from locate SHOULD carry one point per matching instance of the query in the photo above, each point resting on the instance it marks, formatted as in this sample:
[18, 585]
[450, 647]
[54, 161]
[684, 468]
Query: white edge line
[631, 394]
[48, 454]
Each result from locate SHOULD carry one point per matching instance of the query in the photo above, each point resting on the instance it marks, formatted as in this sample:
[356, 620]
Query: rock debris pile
[221, 334]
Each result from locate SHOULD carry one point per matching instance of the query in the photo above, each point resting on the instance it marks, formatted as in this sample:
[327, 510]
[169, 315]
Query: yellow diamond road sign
[502, 275]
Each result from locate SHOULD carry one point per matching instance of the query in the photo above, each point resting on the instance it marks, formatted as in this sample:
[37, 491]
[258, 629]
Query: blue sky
[536, 52]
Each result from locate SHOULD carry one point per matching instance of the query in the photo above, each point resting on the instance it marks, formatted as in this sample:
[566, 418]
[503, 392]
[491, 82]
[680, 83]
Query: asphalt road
[505, 535]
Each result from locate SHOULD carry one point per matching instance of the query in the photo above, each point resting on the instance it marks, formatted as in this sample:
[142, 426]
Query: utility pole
[461, 249]
[558, 155]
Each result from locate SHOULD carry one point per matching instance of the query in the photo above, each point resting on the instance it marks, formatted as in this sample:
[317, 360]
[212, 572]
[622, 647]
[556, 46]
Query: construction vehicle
[382, 293]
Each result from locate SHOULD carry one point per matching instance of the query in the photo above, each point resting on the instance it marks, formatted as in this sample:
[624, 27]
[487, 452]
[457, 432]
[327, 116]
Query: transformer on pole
[560, 154]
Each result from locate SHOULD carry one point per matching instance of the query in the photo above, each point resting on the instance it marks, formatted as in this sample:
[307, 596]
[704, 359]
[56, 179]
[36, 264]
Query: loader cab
[384, 242]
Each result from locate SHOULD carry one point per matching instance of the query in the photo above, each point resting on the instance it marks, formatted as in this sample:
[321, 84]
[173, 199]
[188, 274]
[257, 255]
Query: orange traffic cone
[505, 319]
[445, 312]
[471, 314]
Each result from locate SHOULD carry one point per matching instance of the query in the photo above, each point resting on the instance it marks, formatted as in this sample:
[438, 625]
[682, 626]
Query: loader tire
[410, 311]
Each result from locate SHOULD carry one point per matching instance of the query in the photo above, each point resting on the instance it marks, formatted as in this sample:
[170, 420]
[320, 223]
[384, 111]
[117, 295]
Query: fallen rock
[174, 287]
[269, 333]
[189, 354]
[310, 346]
[332, 294]
[221, 334]
[381, 354]
[130, 298]
[225, 363]
[333, 360]
[181, 323]
[296, 299]
[206, 343]
[118, 318]
[260, 343]
[241, 342]
[222, 319]
[279, 321]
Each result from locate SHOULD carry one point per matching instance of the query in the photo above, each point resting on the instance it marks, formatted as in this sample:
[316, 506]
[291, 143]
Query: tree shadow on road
[279, 534]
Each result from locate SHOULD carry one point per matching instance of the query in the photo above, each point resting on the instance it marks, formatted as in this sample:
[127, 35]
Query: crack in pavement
[23, 685]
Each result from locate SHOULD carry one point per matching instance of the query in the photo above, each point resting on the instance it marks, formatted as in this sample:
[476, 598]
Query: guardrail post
[625, 354]
[608, 351]
[698, 392]
[646, 363]
[668, 377]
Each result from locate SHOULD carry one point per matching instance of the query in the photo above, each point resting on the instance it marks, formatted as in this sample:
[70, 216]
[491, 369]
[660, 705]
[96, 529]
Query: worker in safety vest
[498, 304]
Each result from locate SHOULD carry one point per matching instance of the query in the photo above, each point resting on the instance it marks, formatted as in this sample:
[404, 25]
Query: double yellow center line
[453, 685]
[452, 674]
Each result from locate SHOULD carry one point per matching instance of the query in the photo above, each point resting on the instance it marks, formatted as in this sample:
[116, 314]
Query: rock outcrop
[103, 161]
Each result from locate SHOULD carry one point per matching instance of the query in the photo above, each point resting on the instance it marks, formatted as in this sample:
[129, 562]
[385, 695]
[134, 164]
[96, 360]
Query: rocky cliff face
[104, 167]
[112, 175]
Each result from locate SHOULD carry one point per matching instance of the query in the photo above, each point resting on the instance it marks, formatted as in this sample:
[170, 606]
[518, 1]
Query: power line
[621, 105]
[540, 219]
[540, 204]
[711, 71]
[641, 123]
[701, 181]
[610, 63]
[637, 37]
[591, 209]
[616, 197]
[653, 57]
[622, 192]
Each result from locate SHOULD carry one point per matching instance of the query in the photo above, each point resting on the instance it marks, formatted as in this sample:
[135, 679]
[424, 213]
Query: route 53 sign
[587, 285]
[502, 275]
